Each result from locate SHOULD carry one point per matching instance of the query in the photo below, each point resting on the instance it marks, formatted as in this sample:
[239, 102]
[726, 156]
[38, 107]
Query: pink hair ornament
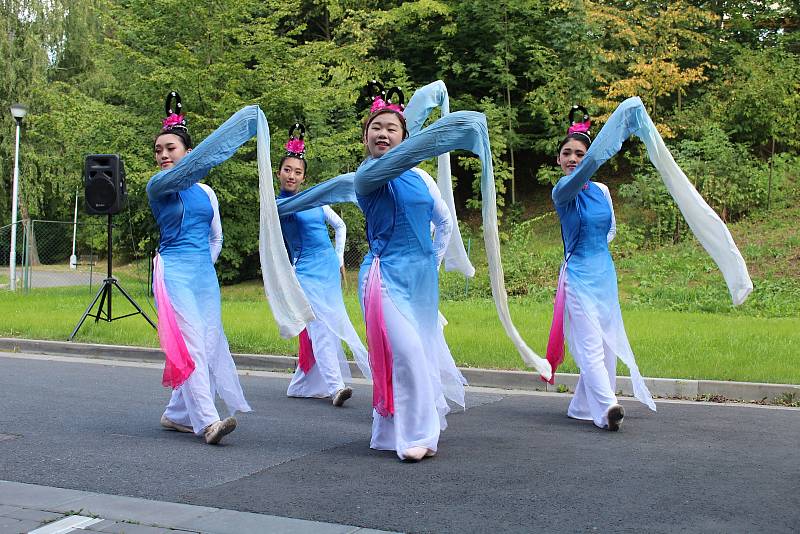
[175, 119]
[581, 127]
[295, 146]
[384, 99]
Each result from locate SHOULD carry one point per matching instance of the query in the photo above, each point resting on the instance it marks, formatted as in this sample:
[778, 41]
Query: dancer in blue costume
[187, 213]
[400, 202]
[401, 270]
[595, 332]
[322, 367]
[588, 281]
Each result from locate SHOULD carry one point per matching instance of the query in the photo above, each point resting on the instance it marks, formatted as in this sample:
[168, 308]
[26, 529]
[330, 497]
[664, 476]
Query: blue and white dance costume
[191, 239]
[317, 266]
[596, 334]
[399, 210]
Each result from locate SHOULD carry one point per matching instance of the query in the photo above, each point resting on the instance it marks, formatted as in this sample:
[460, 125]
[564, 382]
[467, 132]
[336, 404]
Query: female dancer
[199, 362]
[322, 366]
[589, 283]
[399, 290]
[587, 286]
[412, 369]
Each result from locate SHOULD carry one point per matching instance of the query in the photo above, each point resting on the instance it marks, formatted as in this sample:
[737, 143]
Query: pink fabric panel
[179, 364]
[380, 351]
[555, 345]
[305, 356]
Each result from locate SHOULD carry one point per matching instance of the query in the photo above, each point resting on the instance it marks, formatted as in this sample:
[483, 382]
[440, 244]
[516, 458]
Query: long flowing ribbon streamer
[289, 305]
[704, 222]
[422, 102]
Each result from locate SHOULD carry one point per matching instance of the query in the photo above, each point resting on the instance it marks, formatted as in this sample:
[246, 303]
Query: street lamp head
[18, 111]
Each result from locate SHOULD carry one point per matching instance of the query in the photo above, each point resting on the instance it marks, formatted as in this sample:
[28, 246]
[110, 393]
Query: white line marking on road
[68, 524]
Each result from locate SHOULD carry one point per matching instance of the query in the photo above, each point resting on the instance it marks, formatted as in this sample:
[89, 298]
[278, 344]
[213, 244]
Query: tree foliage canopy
[720, 78]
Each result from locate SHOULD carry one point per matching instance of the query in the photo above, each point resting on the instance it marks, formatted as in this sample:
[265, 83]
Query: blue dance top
[398, 211]
[308, 244]
[184, 219]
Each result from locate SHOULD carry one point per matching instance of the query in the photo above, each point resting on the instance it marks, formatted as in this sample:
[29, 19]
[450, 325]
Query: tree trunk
[33, 249]
[510, 125]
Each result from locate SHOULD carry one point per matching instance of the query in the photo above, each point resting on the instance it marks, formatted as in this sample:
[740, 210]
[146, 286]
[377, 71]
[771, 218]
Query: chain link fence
[54, 254]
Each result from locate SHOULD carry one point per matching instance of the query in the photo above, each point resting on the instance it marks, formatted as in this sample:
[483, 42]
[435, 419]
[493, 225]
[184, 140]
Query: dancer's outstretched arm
[623, 123]
[333, 191]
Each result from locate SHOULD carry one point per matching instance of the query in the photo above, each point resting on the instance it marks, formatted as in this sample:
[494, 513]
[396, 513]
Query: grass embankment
[667, 343]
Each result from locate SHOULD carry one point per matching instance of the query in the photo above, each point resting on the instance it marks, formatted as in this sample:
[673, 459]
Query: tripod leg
[88, 309]
[106, 289]
[135, 305]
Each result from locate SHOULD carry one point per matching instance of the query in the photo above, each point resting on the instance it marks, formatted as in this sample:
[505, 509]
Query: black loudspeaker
[104, 184]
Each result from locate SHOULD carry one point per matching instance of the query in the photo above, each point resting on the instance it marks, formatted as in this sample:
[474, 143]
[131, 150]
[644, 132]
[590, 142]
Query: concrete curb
[42, 506]
[522, 380]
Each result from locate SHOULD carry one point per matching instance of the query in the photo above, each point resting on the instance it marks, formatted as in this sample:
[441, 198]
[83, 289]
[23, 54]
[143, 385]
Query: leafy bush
[731, 180]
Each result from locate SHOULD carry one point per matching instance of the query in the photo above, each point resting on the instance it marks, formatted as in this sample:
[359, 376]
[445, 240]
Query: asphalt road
[512, 462]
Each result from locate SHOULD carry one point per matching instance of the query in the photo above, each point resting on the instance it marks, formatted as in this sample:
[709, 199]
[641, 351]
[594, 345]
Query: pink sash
[380, 351]
[179, 364]
[305, 354]
[555, 345]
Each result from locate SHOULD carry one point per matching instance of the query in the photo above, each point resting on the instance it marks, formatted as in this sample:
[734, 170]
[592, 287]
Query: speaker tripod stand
[104, 296]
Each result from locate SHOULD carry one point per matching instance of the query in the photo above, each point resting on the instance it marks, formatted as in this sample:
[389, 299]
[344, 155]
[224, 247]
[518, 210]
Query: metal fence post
[466, 278]
[31, 237]
[25, 273]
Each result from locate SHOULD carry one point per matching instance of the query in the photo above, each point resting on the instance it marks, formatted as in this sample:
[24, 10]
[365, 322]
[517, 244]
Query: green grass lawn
[667, 343]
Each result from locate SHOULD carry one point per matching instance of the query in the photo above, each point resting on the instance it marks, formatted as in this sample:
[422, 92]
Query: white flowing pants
[324, 379]
[416, 421]
[594, 394]
[192, 404]
[194, 293]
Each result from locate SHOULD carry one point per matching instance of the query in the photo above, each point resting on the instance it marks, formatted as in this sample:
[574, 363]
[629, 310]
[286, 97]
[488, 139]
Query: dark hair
[578, 136]
[287, 156]
[182, 133]
[381, 112]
